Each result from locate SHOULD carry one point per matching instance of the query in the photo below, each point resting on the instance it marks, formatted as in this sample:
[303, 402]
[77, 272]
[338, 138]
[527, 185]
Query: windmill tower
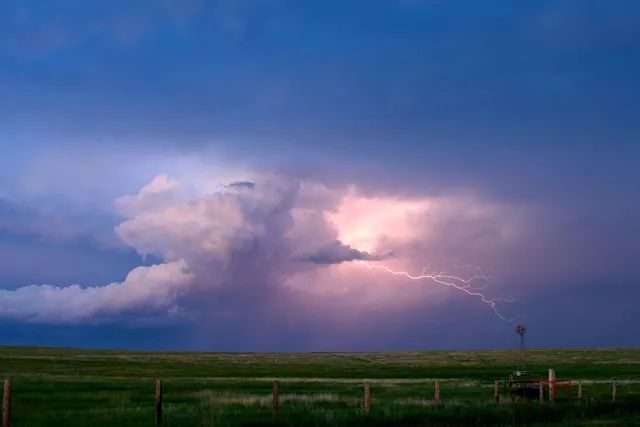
[520, 330]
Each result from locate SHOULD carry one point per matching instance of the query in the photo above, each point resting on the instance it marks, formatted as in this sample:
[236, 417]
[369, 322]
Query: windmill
[523, 383]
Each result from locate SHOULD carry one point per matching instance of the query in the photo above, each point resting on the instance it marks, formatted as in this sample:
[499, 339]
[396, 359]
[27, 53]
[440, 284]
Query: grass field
[69, 387]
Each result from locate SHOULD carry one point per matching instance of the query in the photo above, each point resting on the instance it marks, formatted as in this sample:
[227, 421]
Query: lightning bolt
[465, 285]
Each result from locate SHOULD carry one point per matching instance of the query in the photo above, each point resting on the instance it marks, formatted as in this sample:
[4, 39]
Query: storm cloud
[243, 242]
[201, 235]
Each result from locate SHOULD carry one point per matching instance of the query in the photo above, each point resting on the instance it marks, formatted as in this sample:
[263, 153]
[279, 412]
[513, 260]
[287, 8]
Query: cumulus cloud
[246, 244]
[153, 287]
[159, 193]
[208, 229]
[211, 240]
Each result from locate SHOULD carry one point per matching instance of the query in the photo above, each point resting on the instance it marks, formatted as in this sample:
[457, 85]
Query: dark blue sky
[526, 110]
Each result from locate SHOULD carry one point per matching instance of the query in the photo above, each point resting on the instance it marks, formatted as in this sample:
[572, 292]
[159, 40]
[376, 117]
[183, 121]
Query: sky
[271, 175]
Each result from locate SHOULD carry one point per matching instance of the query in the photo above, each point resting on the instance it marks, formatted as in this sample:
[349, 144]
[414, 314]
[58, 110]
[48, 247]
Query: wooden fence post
[437, 392]
[541, 392]
[509, 390]
[6, 404]
[614, 390]
[552, 385]
[158, 411]
[496, 391]
[276, 398]
[579, 390]
[367, 398]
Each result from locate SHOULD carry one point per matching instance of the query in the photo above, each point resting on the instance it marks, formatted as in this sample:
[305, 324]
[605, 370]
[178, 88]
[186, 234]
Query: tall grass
[54, 387]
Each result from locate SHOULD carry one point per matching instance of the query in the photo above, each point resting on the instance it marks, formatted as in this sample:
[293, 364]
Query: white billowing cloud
[160, 192]
[152, 287]
[249, 239]
[207, 228]
[206, 236]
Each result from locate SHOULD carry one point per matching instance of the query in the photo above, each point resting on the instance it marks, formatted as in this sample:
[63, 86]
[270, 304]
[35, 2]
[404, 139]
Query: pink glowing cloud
[367, 222]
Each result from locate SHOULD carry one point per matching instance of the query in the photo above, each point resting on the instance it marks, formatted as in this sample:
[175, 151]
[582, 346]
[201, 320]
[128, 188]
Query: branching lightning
[461, 284]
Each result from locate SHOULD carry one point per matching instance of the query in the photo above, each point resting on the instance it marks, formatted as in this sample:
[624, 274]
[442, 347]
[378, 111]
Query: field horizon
[406, 350]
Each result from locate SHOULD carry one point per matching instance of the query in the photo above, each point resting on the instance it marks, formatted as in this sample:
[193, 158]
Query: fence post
[541, 392]
[437, 392]
[552, 385]
[579, 390]
[158, 412]
[367, 398]
[614, 389]
[6, 404]
[496, 391]
[276, 398]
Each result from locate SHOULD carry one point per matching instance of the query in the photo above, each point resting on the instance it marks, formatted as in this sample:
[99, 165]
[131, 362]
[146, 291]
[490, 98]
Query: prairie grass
[67, 387]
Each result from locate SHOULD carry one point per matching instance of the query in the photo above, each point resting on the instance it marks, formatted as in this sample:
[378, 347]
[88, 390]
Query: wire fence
[361, 394]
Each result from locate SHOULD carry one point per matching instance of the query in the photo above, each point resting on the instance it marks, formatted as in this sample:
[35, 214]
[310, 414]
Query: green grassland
[70, 387]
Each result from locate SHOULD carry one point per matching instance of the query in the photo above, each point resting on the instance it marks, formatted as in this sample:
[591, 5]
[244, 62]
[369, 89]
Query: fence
[500, 389]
